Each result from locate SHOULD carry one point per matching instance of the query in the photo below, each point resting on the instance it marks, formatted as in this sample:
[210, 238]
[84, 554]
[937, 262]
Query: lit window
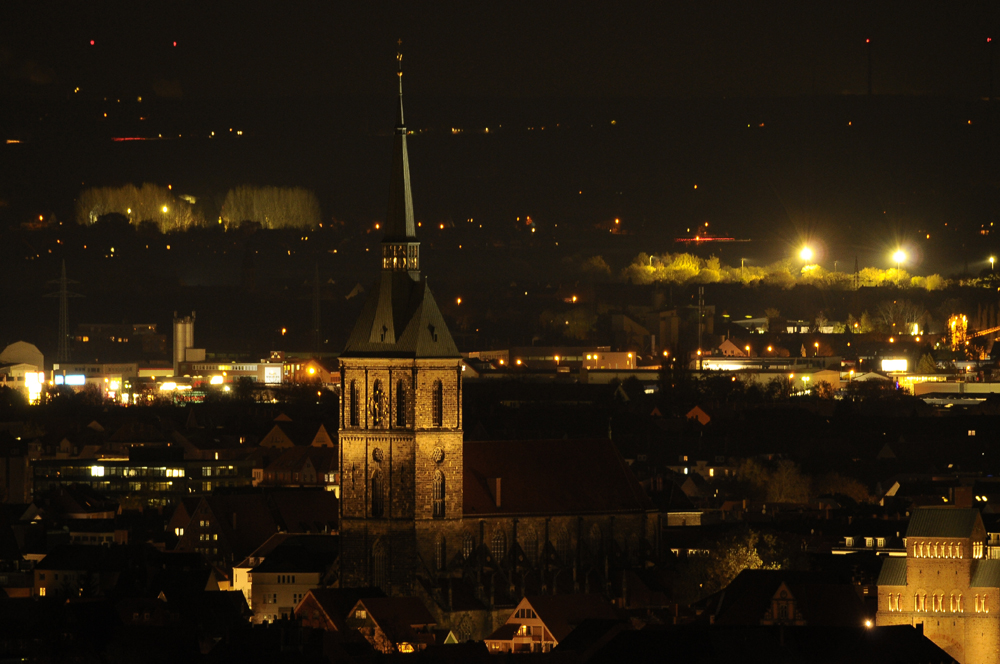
[361, 614]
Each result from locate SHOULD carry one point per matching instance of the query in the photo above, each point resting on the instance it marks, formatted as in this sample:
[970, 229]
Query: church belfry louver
[400, 426]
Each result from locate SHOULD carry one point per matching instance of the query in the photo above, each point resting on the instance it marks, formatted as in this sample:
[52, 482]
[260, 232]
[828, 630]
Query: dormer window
[868, 542]
[849, 542]
[880, 542]
[361, 614]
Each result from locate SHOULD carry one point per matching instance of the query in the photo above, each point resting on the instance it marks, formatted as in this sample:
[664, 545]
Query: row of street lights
[899, 257]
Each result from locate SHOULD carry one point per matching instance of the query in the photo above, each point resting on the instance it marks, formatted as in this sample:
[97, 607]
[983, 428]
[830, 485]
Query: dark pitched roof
[302, 553]
[942, 522]
[400, 319]
[323, 459]
[400, 610]
[338, 602]
[821, 599]
[562, 613]
[893, 572]
[82, 557]
[985, 574]
[900, 644]
[549, 477]
[247, 520]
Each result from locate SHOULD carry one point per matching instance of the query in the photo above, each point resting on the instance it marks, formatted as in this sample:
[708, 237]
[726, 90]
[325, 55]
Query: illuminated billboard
[272, 375]
[76, 379]
[894, 365]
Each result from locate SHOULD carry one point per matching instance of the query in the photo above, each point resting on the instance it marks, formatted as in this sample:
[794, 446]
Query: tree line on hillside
[151, 204]
[684, 268]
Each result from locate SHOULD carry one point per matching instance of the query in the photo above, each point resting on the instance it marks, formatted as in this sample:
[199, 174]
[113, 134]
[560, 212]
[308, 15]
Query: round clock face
[437, 455]
[377, 455]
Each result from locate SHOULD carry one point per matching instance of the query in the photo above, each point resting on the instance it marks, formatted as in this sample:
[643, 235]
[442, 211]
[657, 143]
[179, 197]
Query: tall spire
[400, 249]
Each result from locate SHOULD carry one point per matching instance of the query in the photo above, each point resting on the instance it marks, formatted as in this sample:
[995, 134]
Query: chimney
[494, 484]
[961, 496]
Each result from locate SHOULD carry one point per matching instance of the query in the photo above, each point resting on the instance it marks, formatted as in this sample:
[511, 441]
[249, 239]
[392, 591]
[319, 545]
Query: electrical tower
[62, 353]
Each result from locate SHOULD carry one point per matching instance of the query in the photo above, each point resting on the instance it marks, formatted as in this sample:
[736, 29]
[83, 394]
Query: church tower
[401, 414]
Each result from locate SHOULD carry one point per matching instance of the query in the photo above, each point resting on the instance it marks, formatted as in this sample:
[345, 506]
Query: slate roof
[549, 477]
[893, 572]
[302, 553]
[985, 574]
[324, 459]
[821, 599]
[900, 644]
[942, 522]
[258, 516]
[405, 310]
[338, 602]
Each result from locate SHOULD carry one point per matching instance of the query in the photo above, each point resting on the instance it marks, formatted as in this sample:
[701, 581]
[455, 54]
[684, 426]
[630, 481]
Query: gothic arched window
[498, 547]
[468, 546]
[400, 404]
[531, 546]
[378, 502]
[596, 542]
[437, 404]
[563, 548]
[380, 566]
[355, 404]
[438, 494]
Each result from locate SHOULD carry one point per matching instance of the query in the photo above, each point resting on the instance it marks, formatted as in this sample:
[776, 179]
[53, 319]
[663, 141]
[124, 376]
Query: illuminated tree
[148, 203]
[271, 207]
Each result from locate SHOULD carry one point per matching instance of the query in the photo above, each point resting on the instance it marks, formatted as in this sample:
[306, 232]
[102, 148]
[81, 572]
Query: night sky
[567, 49]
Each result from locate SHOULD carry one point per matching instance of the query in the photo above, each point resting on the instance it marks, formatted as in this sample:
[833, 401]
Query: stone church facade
[945, 584]
[469, 526]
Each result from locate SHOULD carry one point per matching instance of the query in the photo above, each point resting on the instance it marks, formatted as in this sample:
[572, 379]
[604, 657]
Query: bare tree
[271, 207]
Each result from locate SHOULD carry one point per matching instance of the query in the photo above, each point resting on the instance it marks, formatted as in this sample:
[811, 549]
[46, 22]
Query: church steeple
[400, 249]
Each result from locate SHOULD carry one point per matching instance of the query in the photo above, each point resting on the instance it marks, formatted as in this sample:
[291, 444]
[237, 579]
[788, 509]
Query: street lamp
[748, 351]
[806, 254]
[993, 260]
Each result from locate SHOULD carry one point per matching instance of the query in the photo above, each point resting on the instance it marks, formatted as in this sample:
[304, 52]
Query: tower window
[400, 404]
[437, 399]
[378, 504]
[468, 545]
[438, 494]
[355, 405]
[378, 404]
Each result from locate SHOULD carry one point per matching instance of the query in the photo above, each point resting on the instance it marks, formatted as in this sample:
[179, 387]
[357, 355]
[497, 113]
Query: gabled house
[310, 466]
[785, 597]
[280, 582]
[327, 608]
[393, 624]
[226, 528]
[540, 622]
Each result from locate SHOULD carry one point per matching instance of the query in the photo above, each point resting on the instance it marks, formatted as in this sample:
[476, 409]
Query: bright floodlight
[899, 256]
[806, 254]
